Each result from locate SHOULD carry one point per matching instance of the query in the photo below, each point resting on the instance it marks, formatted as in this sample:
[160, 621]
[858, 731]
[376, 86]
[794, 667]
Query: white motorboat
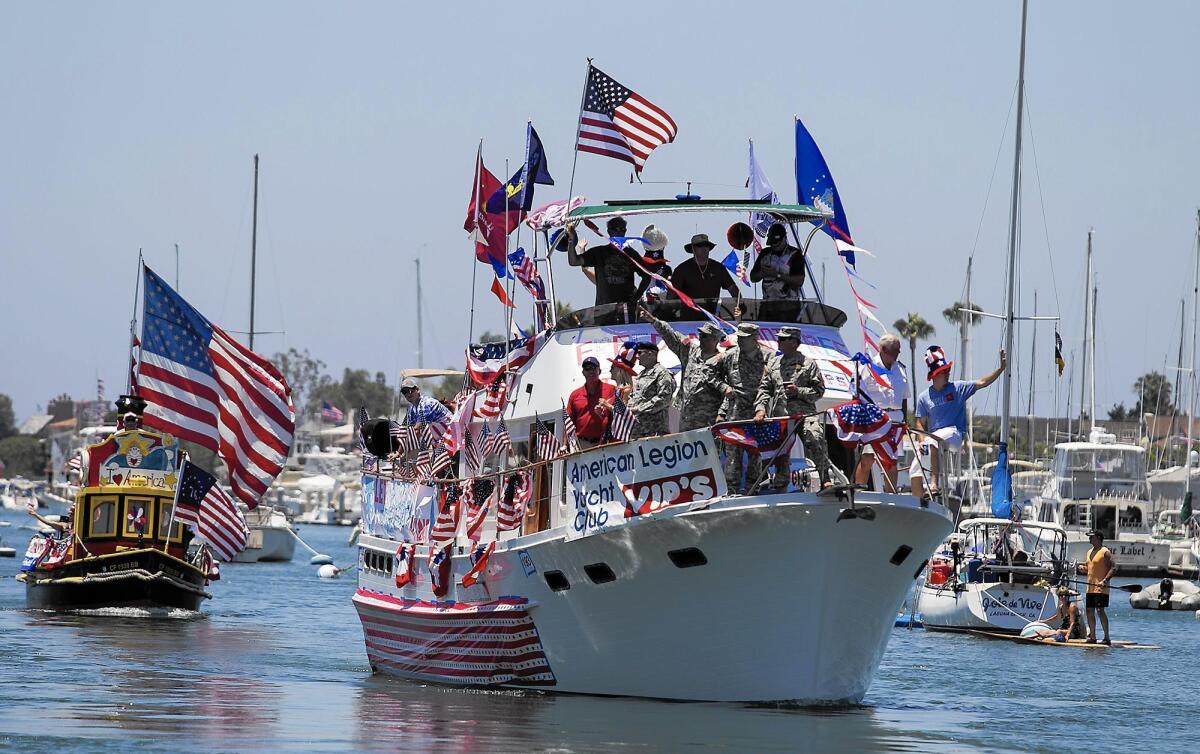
[629, 569]
[994, 575]
[1101, 485]
[1168, 594]
[271, 537]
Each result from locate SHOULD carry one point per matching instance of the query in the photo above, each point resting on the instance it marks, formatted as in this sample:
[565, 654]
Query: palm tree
[956, 317]
[912, 327]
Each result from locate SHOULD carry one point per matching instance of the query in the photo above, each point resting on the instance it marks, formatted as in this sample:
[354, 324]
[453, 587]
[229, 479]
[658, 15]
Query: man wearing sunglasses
[589, 405]
[424, 409]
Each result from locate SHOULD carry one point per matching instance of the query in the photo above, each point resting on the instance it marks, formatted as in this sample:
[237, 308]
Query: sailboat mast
[420, 342]
[966, 356]
[253, 251]
[1092, 360]
[1032, 377]
[1014, 216]
[1087, 336]
[1187, 463]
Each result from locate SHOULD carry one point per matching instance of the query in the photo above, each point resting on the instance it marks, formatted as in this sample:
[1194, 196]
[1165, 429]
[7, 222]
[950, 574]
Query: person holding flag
[614, 269]
[697, 401]
[885, 381]
[736, 374]
[652, 393]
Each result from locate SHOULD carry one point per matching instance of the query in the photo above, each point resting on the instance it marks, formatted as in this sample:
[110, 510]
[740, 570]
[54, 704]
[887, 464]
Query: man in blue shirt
[942, 413]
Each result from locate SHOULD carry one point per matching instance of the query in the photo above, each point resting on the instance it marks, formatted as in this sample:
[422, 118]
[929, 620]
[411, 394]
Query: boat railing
[802, 311]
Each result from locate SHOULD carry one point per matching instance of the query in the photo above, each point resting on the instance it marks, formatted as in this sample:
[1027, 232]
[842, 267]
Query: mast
[1014, 217]
[1187, 464]
[1032, 375]
[1087, 334]
[253, 251]
[964, 334]
[420, 345]
[1092, 360]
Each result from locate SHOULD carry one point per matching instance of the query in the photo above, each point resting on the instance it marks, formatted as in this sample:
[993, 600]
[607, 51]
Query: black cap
[130, 404]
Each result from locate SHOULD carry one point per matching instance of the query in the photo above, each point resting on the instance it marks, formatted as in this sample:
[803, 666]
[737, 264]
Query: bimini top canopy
[785, 212]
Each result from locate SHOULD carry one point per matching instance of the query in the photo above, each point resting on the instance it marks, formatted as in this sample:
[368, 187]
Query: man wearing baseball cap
[590, 405]
[736, 374]
[697, 401]
[942, 413]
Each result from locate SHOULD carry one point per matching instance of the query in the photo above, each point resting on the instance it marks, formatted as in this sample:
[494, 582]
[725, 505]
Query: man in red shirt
[590, 405]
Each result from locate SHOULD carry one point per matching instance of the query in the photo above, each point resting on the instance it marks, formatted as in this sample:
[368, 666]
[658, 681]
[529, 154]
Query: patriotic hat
[130, 404]
[625, 356]
[935, 360]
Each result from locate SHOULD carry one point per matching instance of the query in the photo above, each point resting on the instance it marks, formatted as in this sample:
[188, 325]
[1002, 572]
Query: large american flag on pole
[201, 503]
[618, 122]
[203, 386]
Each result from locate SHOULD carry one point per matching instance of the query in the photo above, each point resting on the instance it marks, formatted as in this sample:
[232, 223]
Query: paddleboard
[1076, 643]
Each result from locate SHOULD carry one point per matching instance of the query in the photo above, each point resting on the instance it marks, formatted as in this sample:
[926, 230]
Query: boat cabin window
[1104, 520]
[1131, 517]
[135, 508]
[1070, 515]
[102, 518]
[165, 519]
[1093, 472]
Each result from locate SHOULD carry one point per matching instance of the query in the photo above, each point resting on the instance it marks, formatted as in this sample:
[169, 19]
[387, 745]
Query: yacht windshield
[1084, 473]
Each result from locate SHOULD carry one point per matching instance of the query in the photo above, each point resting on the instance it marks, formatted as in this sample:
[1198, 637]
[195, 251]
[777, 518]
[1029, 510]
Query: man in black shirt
[614, 270]
[701, 277]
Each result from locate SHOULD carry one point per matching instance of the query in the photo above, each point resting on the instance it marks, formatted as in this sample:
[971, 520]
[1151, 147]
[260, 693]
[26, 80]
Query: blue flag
[1002, 503]
[815, 186]
[517, 194]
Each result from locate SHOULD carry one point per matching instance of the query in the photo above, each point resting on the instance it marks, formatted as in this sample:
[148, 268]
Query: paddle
[1131, 588]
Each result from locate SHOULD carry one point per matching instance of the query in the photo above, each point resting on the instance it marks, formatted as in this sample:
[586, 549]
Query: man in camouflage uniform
[650, 401]
[698, 401]
[736, 374]
[790, 387]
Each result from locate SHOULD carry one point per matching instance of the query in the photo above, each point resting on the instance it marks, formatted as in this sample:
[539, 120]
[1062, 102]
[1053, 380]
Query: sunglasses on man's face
[406, 390]
[590, 368]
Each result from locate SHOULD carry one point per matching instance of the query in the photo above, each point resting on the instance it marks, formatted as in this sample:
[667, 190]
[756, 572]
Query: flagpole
[175, 502]
[129, 386]
[475, 240]
[575, 147]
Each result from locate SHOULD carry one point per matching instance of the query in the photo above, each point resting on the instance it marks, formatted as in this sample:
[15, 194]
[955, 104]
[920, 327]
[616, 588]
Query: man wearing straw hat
[702, 278]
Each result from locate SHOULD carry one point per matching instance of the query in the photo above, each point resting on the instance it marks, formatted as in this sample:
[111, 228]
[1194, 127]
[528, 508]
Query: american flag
[402, 437]
[203, 504]
[518, 489]
[470, 453]
[620, 424]
[484, 441]
[439, 569]
[494, 399]
[360, 419]
[478, 500]
[331, 413]
[445, 526]
[860, 422]
[424, 463]
[570, 440]
[405, 563]
[547, 443]
[205, 387]
[772, 435]
[527, 274]
[500, 441]
[441, 460]
[479, 560]
[619, 123]
[887, 448]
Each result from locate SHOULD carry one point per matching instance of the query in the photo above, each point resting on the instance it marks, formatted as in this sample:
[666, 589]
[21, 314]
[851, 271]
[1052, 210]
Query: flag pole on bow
[587, 72]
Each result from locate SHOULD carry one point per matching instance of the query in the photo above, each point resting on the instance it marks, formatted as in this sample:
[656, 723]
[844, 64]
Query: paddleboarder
[1100, 569]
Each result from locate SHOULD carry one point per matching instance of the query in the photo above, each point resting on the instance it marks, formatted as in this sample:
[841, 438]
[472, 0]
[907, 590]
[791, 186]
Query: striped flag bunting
[445, 526]
[620, 424]
[406, 562]
[441, 460]
[477, 644]
[403, 437]
[424, 463]
[202, 504]
[203, 386]
[479, 560]
[495, 398]
[518, 490]
[887, 448]
[546, 442]
[439, 569]
[618, 122]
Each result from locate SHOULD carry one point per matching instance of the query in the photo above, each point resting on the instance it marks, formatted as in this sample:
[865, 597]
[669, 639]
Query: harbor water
[276, 663]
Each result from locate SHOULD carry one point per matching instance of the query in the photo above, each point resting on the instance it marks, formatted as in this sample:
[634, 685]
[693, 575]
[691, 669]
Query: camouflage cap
[788, 332]
[708, 328]
[747, 329]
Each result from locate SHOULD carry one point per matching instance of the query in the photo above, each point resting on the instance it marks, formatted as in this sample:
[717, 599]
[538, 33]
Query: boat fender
[329, 571]
[320, 560]
[1036, 630]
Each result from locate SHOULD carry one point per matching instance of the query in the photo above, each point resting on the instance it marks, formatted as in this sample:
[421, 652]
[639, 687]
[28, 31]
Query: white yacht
[629, 569]
[1101, 484]
[994, 575]
[271, 537]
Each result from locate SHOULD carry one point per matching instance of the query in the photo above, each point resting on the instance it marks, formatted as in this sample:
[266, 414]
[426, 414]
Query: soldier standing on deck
[736, 374]
[791, 386]
[697, 400]
[652, 392]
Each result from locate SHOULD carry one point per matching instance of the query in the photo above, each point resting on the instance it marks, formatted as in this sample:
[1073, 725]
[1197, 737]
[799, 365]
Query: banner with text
[611, 484]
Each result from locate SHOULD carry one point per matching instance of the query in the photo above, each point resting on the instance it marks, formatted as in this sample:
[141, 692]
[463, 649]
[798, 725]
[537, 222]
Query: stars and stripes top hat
[625, 356]
[935, 360]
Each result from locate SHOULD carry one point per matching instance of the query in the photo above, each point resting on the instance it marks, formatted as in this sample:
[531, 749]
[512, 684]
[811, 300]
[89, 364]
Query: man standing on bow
[652, 392]
[736, 374]
[791, 386]
[698, 401]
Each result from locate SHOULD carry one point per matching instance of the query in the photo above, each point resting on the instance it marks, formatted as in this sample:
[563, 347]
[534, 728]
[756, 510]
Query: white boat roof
[973, 522]
[1081, 445]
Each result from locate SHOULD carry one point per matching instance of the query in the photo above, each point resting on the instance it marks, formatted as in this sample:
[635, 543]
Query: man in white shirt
[892, 397]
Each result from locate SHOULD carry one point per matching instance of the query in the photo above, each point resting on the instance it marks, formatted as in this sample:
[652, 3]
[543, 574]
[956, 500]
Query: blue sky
[133, 125]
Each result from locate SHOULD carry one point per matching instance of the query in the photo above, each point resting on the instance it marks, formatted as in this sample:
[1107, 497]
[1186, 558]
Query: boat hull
[789, 605]
[137, 579]
[1140, 557]
[268, 544]
[996, 607]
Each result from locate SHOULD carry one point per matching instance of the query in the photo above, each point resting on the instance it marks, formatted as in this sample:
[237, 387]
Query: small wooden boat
[121, 545]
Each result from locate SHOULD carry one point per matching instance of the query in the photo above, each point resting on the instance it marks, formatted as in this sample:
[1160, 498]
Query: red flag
[488, 230]
[479, 560]
[498, 289]
[405, 563]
